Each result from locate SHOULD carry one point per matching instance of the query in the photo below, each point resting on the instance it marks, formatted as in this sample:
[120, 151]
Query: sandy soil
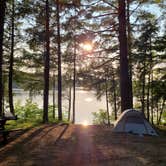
[76, 145]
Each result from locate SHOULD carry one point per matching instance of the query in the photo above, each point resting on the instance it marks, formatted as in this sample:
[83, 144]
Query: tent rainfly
[132, 121]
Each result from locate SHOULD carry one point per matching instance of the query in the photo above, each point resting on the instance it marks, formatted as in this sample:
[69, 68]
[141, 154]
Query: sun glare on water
[85, 123]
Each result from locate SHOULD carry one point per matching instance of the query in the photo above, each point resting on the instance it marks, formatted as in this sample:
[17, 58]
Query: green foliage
[29, 115]
[28, 112]
[31, 112]
[100, 117]
[50, 114]
[164, 118]
[19, 124]
[97, 21]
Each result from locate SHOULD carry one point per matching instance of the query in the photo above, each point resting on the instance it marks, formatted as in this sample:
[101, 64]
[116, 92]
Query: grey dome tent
[132, 121]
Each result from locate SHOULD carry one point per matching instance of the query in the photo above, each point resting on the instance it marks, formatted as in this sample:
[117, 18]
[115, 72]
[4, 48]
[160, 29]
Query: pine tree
[125, 84]
[47, 64]
[10, 83]
[59, 62]
[2, 18]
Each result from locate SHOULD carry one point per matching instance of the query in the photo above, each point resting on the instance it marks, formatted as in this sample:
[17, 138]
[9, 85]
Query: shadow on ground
[75, 145]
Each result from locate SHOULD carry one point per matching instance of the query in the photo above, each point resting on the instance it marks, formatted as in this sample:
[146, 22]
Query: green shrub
[100, 117]
[29, 111]
[30, 115]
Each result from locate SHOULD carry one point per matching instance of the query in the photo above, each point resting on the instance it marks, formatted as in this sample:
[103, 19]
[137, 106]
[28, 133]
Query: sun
[88, 99]
[87, 46]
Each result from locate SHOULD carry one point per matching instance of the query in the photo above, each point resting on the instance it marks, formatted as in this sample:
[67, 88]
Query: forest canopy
[117, 48]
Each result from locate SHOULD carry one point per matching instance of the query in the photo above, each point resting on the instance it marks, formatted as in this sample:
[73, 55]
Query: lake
[86, 103]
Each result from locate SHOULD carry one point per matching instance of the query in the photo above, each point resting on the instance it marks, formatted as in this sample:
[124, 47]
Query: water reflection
[86, 103]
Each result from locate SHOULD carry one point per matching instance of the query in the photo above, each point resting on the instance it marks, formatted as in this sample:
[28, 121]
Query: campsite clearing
[73, 145]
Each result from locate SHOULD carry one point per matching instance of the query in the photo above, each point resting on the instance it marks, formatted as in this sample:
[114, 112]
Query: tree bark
[59, 62]
[2, 18]
[69, 108]
[143, 88]
[47, 64]
[151, 77]
[152, 101]
[107, 102]
[161, 111]
[129, 43]
[157, 110]
[11, 62]
[114, 94]
[148, 96]
[74, 81]
[125, 84]
[53, 97]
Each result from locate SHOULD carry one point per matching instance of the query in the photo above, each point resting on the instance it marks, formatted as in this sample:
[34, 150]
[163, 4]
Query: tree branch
[110, 4]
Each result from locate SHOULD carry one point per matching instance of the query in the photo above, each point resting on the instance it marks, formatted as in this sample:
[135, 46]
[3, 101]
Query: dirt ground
[76, 145]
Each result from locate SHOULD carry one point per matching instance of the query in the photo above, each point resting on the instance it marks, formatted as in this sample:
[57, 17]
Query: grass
[20, 124]
[28, 123]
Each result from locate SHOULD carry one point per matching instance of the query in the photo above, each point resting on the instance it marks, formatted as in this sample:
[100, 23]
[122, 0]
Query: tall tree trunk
[143, 87]
[151, 76]
[125, 84]
[30, 95]
[59, 62]
[129, 44]
[161, 111]
[47, 64]
[2, 18]
[74, 81]
[152, 116]
[11, 62]
[152, 101]
[107, 102]
[53, 96]
[157, 110]
[148, 96]
[69, 108]
[114, 94]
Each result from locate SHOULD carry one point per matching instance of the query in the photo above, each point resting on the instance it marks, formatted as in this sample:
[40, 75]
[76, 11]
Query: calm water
[86, 103]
